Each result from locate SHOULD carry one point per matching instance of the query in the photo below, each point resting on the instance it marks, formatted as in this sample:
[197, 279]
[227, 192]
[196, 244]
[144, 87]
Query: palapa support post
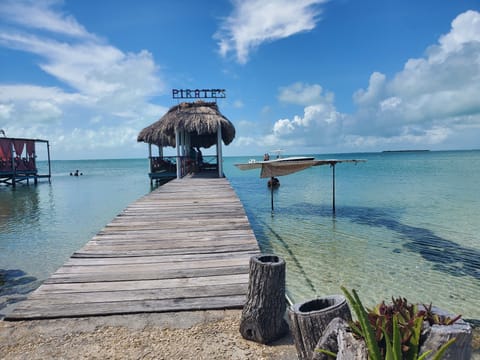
[263, 314]
[309, 320]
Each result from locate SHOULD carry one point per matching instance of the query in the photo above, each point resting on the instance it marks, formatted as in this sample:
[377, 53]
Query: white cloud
[376, 89]
[45, 109]
[433, 99]
[303, 94]
[36, 106]
[6, 111]
[254, 22]
[390, 104]
[92, 69]
[320, 124]
[266, 110]
[107, 88]
[101, 138]
[465, 30]
[284, 127]
[23, 92]
[238, 104]
[244, 141]
[415, 138]
[38, 14]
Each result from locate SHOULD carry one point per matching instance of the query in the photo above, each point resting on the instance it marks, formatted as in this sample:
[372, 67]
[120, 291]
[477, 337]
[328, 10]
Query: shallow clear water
[41, 226]
[406, 224]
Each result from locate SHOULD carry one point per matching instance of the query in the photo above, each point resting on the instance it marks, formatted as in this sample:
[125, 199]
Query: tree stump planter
[263, 314]
[433, 337]
[338, 338]
[309, 320]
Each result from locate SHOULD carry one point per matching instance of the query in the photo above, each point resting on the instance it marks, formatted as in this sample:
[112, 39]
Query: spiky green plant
[391, 332]
[436, 319]
[364, 329]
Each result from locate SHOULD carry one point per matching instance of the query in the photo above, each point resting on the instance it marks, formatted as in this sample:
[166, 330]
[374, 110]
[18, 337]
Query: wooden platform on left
[184, 246]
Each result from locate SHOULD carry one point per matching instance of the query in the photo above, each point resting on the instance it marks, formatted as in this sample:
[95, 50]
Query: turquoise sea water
[406, 224]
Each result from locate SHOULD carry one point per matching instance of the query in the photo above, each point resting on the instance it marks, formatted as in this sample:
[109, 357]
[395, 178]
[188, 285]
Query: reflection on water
[268, 248]
[16, 206]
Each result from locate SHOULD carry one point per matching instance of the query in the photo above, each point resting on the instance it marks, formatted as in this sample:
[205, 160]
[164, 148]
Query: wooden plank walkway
[184, 246]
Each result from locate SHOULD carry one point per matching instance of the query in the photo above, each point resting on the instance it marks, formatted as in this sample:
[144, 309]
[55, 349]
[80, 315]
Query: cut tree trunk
[309, 320]
[437, 335]
[338, 338]
[263, 314]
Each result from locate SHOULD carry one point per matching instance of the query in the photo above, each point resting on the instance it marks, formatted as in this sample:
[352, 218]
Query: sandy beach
[183, 335]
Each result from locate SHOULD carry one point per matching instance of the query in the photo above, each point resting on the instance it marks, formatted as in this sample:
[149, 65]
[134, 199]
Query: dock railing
[167, 165]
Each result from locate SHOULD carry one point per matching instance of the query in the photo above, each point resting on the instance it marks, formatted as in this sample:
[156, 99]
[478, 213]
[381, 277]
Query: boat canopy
[290, 165]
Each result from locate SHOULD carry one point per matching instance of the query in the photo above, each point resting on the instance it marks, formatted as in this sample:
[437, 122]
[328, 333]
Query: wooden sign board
[199, 93]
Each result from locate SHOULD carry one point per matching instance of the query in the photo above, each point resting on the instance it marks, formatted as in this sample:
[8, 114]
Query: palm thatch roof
[201, 119]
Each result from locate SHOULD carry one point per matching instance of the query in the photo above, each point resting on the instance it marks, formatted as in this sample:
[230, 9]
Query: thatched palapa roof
[201, 119]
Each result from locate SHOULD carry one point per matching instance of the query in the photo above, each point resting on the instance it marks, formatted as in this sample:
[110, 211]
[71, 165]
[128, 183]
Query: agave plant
[436, 319]
[399, 314]
[392, 332]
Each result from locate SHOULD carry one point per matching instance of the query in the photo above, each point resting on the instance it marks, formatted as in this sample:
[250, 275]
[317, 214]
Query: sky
[307, 76]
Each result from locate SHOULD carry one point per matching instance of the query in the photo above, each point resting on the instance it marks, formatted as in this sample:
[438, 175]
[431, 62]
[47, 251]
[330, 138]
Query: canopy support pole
[271, 192]
[333, 188]
[150, 162]
[219, 151]
[184, 153]
[177, 143]
[49, 164]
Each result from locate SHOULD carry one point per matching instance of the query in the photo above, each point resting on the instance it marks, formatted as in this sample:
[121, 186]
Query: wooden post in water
[333, 187]
[49, 164]
[271, 192]
[263, 314]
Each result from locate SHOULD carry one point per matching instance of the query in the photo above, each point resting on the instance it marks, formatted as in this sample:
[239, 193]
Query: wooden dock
[184, 246]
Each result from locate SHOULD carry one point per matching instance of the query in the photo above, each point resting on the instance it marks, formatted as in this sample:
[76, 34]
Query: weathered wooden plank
[156, 259]
[156, 236]
[162, 244]
[162, 266]
[45, 311]
[192, 224]
[93, 287]
[166, 233]
[140, 252]
[134, 276]
[181, 242]
[132, 295]
[188, 214]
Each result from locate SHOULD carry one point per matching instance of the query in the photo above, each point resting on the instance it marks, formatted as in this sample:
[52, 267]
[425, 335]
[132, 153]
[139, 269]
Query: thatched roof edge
[201, 119]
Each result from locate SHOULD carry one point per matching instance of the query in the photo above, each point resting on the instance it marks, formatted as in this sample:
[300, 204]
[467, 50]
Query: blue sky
[308, 76]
